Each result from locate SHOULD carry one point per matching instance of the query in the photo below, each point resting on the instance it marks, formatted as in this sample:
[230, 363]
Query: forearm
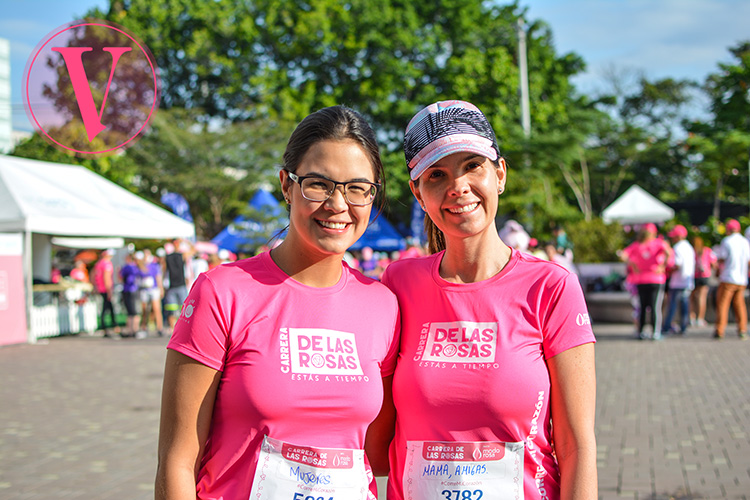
[578, 475]
[174, 482]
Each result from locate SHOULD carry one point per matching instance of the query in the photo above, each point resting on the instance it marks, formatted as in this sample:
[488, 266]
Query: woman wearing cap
[497, 356]
[648, 258]
[279, 363]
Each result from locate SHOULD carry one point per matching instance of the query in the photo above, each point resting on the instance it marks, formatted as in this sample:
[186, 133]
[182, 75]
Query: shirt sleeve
[202, 330]
[388, 366]
[566, 322]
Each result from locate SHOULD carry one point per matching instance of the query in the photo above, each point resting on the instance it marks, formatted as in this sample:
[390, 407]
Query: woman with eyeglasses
[279, 365]
[495, 386]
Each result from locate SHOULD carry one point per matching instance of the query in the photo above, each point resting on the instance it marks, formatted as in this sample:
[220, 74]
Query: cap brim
[446, 146]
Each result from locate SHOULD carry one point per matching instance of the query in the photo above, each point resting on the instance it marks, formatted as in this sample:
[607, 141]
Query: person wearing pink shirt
[497, 351]
[279, 369]
[705, 263]
[648, 258]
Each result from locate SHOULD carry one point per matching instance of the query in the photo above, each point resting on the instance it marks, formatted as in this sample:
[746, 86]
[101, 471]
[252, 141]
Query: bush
[595, 241]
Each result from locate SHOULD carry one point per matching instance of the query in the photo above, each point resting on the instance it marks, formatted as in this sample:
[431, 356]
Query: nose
[337, 200]
[459, 186]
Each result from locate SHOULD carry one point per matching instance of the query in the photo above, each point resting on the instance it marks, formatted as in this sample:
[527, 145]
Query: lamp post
[524, 78]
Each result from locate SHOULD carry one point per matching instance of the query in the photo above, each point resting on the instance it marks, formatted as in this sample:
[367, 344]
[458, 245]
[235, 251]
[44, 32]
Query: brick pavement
[79, 417]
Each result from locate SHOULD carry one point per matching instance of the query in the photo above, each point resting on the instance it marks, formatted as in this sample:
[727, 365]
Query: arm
[188, 397]
[381, 431]
[572, 403]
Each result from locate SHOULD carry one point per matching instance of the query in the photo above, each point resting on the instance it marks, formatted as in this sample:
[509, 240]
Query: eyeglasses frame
[299, 178]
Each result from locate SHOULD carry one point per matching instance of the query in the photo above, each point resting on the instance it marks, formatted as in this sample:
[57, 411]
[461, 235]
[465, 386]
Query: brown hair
[335, 123]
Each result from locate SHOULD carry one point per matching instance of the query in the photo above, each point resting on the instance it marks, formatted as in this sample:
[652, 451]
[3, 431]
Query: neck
[318, 271]
[469, 260]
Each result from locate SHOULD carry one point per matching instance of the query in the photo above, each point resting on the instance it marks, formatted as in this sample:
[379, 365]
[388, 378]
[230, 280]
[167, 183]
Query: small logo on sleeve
[583, 319]
[461, 342]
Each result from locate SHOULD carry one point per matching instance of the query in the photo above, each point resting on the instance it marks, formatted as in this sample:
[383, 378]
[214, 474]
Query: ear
[415, 191]
[285, 185]
[502, 171]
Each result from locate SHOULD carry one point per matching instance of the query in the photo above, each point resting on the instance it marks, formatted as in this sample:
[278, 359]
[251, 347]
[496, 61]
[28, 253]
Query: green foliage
[596, 241]
[216, 166]
[282, 59]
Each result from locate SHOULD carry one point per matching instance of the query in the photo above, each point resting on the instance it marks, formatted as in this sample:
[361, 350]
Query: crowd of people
[681, 268]
[149, 287]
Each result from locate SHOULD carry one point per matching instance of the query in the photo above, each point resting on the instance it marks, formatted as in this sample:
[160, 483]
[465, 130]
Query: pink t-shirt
[472, 362]
[300, 364]
[650, 259]
[102, 267]
[704, 262]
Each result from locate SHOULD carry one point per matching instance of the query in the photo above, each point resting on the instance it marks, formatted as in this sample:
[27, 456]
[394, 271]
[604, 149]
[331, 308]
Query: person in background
[130, 277]
[151, 292]
[552, 255]
[681, 280]
[282, 362]
[515, 236]
[648, 258]
[705, 263]
[562, 242]
[177, 290]
[80, 272]
[733, 257]
[104, 282]
[537, 252]
[497, 351]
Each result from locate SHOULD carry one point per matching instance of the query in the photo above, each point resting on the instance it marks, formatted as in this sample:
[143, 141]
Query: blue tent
[381, 236]
[245, 234]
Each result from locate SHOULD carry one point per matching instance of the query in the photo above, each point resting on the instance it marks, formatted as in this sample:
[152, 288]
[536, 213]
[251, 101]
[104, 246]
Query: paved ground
[79, 417]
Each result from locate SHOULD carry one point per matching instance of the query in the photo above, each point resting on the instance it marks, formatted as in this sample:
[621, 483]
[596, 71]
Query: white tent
[70, 200]
[636, 206]
[40, 200]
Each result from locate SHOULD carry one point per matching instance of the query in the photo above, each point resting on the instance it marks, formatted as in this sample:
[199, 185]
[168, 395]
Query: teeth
[332, 225]
[467, 208]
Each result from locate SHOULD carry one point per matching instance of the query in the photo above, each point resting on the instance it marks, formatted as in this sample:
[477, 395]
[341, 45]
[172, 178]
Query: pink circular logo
[90, 87]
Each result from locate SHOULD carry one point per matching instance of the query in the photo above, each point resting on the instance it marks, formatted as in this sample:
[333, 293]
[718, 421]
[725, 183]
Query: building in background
[6, 127]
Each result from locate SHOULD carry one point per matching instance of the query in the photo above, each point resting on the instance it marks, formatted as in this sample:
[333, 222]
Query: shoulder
[364, 284]
[411, 270]
[533, 265]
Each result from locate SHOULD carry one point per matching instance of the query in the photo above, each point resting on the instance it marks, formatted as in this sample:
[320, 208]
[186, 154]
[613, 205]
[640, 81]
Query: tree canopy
[237, 75]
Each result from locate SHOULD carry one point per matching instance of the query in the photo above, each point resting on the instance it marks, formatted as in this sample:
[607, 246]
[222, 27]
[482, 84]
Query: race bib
[463, 471]
[290, 472]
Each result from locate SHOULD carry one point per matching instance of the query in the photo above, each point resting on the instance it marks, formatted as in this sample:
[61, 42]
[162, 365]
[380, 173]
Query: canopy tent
[244, 233]
[41, 200]
[380, 235]
[636, 206]
[70, 200]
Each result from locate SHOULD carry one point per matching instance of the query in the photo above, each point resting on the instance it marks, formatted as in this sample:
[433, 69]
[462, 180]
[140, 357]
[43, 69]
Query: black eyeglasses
[314, 188]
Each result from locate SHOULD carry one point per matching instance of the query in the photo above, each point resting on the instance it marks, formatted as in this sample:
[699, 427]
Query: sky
[660, 38]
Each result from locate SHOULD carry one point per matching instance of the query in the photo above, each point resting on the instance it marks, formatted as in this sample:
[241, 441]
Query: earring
[500, 191]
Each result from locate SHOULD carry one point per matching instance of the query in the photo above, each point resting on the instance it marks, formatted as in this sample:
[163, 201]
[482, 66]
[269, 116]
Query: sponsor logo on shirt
[461, 342]
[318, 351]
[583, 319]
[187, 310]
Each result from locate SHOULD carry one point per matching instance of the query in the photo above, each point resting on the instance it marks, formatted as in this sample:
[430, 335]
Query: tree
[216, 166]
[720, 145]
[282, 59]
